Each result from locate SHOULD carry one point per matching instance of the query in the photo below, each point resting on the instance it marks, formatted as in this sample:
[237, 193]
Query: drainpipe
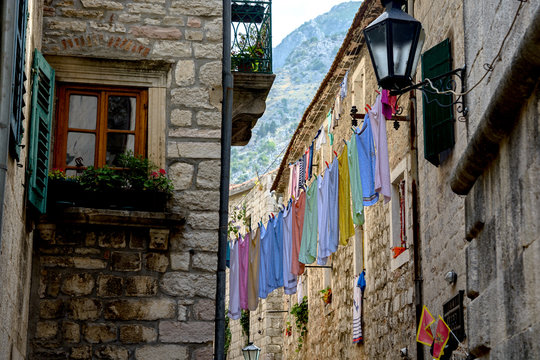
[5, 96]
[226, 134]
[417, 257]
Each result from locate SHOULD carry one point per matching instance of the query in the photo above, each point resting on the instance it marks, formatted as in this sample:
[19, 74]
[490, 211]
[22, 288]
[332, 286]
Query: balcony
[251, 64]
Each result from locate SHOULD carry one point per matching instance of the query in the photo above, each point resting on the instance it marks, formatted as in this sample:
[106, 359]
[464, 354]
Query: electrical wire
[488, 67]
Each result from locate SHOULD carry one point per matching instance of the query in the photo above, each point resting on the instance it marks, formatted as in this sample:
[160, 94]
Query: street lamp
[251, 352]
[395, 40]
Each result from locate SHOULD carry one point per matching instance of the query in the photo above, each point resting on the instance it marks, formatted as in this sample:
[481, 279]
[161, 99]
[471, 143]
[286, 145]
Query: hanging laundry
[328, 212]
[277, 253]
[308, 165]
[308, 247]
[382, 166]
[336, 111]
[264, 260]
[343, 86]
[367, 160]
[289, 279]
[300, 286]
[388, 104]
[320, 138]
[234, 284]
[293, 180]
[346, 226]
[253, 276]
[228, 255]
[243, 260]
[330, 135]
[299, 207]
[355, 182]
[357, 312]
[302, 171]
[310, 161]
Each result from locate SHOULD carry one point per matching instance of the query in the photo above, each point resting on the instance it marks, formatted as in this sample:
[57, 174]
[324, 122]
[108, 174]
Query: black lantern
[251, 352]
[395, 41]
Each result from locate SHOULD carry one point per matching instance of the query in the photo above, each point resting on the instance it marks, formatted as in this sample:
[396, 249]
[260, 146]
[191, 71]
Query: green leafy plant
[300, 312]
[326, 295]
[101, 179]
[135, 173]
[238, 218]
[244, 322]
[57, 174]
[228, 335]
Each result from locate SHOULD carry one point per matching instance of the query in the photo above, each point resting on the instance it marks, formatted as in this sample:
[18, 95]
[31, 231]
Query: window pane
[80, 149]
[82, 111]
[118, 144]
[121, 112]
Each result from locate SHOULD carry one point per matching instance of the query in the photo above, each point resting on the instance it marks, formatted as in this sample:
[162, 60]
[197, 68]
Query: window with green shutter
[18, 77]
[438, 111]
[40, 131]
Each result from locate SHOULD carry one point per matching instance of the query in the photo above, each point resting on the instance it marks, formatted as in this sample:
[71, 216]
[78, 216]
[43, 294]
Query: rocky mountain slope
[301, 61]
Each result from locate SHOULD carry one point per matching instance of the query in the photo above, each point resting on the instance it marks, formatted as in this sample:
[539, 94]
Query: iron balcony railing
[251, 49]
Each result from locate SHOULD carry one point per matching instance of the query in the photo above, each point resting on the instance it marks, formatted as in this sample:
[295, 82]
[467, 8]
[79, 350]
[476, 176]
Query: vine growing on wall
[228, 335]
[244, 322]
[300, 312]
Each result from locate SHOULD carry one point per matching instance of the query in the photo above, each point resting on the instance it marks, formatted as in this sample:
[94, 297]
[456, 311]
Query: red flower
[155, 174]
[162, 171]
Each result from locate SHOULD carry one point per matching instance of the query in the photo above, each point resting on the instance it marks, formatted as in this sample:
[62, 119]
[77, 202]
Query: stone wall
[501, 209]
[121, 288]
[441, 212]
[502, 259]
[16, 232]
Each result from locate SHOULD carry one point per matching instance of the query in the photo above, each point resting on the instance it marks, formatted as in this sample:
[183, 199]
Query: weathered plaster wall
[16, 243]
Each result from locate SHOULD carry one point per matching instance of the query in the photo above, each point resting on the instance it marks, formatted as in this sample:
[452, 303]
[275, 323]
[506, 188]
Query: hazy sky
[287, 15]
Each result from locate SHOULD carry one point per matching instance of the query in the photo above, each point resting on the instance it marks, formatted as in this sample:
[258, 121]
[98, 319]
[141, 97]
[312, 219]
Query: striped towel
[357, 313]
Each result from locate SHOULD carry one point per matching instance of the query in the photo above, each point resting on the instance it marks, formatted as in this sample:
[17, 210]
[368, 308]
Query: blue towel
[362, 281]
[366, 158]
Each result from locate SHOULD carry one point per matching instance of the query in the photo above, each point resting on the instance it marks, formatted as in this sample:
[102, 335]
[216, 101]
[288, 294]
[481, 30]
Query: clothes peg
[369, 107]
[335, 153]
[273, 217]
[378, 92]
[326, 162]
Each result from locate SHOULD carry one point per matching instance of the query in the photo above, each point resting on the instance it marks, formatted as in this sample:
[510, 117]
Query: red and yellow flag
[442, 334]
[424, 334]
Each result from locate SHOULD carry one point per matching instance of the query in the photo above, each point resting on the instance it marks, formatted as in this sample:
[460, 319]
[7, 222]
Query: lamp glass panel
[419, 47]
[403, 35]
[376, 37]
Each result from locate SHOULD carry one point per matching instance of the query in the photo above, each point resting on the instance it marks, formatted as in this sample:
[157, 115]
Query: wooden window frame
[101, 131]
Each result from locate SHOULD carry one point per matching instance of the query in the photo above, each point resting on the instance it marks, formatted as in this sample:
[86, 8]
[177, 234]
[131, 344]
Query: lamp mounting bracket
[441, 84]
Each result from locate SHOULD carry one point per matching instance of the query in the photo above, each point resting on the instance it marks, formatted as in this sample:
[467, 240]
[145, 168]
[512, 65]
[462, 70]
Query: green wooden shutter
[40, 131]
[18, 78]
[438, 120]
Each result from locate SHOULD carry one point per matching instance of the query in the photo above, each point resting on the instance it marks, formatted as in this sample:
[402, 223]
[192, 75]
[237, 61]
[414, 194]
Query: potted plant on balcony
[135, 185]
[248, 58]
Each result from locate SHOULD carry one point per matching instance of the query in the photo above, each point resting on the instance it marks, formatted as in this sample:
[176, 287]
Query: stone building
[471, 198]
[83, 282]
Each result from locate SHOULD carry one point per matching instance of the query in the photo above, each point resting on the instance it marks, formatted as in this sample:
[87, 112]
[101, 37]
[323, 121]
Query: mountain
[300, 63]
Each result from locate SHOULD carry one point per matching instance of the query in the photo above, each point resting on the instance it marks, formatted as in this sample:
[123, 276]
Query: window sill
[123, 218]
